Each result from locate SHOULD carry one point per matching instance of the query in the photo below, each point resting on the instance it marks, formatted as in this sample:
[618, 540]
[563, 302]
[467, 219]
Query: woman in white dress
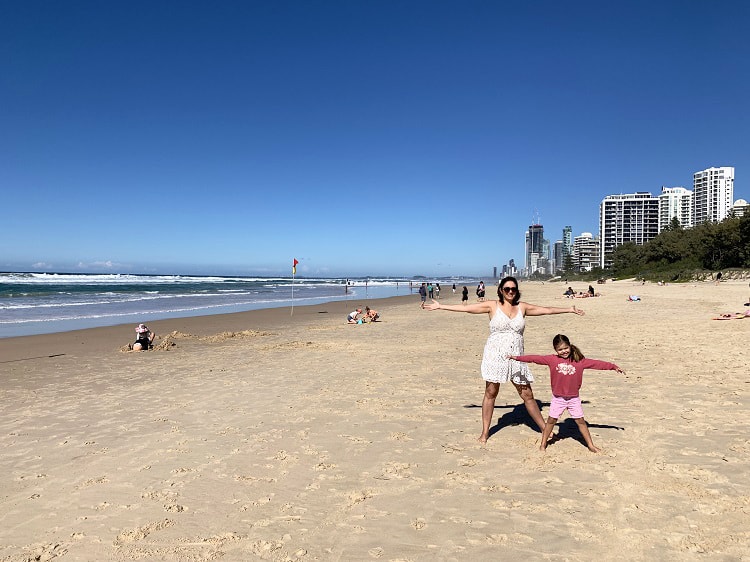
[507, 322]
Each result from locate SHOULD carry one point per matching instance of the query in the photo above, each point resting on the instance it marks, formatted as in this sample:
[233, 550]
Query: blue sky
[362, 138]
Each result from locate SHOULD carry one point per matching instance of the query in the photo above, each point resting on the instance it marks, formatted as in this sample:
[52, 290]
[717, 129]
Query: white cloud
[98, 265]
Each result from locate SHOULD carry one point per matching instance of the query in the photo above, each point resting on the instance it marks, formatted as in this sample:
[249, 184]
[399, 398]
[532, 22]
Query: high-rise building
[567, 240]
[713, 194]
[632, 217]
[740, 208]
[675, 202]
[559, 261]
[585, 252]
[535, 245]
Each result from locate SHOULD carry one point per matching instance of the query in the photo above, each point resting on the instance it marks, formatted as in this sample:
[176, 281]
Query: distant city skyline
[637, 217]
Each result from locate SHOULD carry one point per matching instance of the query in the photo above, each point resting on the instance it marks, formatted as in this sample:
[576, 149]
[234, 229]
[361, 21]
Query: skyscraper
[559, 262]
[534, 247]
[567, 240]
[675, 202]
[713, 194]
[632, 217]
[585, 252]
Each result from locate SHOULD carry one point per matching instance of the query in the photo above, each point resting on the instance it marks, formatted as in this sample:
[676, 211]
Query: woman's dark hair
[517, 298]
[575, 353]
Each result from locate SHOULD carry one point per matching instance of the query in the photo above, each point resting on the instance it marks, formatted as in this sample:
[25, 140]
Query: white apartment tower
[632, 217]
[713, 194]
[585, 252]
[675, 202]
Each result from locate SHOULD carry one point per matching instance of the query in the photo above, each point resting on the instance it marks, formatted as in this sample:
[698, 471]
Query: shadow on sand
[568, 429]
[517, 415]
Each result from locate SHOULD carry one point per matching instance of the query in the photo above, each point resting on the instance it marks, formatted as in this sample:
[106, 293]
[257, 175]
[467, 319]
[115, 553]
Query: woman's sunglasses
[510, 289]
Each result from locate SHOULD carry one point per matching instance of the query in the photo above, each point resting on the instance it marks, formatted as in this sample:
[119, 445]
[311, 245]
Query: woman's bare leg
[488, 408]
[527, 395]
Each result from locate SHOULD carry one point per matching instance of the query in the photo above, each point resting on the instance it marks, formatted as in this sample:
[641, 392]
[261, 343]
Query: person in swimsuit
[371, 315]
[730, 316]
[507, 323]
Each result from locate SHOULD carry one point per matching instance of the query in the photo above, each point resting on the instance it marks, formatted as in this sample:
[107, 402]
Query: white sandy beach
[304, 438]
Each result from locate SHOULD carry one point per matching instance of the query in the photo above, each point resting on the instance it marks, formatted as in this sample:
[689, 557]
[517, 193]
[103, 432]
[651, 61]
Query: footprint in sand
[140, 533]
[399, 436]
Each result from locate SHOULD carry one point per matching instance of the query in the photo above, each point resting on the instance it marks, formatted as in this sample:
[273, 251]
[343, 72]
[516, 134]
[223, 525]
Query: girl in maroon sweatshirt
[566, 375]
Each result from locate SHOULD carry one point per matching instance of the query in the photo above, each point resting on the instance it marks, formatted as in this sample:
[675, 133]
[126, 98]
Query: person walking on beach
[507, 323]
[465, 295]
[423, 293]
[566, 376]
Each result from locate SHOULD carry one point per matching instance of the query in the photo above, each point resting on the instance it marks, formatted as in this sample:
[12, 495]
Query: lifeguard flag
[294, 266]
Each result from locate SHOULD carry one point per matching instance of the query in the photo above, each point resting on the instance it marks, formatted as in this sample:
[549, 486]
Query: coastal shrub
[681, 254]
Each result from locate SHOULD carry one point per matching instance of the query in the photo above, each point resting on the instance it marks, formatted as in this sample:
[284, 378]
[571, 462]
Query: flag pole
[294, 273]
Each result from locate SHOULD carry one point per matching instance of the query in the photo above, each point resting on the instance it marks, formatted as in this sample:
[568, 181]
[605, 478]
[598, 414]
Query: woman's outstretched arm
[474, 308]
[534, 310]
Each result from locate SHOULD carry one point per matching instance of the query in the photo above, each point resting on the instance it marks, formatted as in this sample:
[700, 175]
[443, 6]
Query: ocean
[43, 303]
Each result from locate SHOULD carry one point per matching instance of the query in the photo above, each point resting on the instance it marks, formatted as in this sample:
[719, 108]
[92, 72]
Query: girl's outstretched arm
[600, 365]
[537, 359]
[534, 310]
[474, 308]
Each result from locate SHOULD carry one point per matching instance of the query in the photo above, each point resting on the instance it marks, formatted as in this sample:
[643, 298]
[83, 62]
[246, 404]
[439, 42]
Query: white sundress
[506, 338]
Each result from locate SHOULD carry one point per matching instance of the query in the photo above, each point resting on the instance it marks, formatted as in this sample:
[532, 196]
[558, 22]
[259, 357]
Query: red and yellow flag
[294, 266]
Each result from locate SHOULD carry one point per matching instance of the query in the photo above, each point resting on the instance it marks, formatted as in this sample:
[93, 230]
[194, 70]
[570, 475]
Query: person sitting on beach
[569, 293]
[730, 316]
[144, 338]
[353, 317]
[566, 368]
[591, 291]
[371, 315]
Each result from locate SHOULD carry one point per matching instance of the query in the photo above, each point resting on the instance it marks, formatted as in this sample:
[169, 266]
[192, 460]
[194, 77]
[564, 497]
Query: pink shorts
[558, 405]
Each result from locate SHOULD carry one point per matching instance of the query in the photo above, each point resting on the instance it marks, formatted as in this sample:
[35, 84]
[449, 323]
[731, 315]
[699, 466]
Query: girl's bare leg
[584, 429]
[527, 395]
[488, 408]
[548, 427]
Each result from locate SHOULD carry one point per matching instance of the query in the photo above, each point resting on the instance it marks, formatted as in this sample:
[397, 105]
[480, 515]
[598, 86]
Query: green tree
[627, 259]
[744, 239]
[674, 224]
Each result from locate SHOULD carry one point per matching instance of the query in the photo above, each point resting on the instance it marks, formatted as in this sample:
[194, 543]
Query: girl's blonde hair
[575, 353]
